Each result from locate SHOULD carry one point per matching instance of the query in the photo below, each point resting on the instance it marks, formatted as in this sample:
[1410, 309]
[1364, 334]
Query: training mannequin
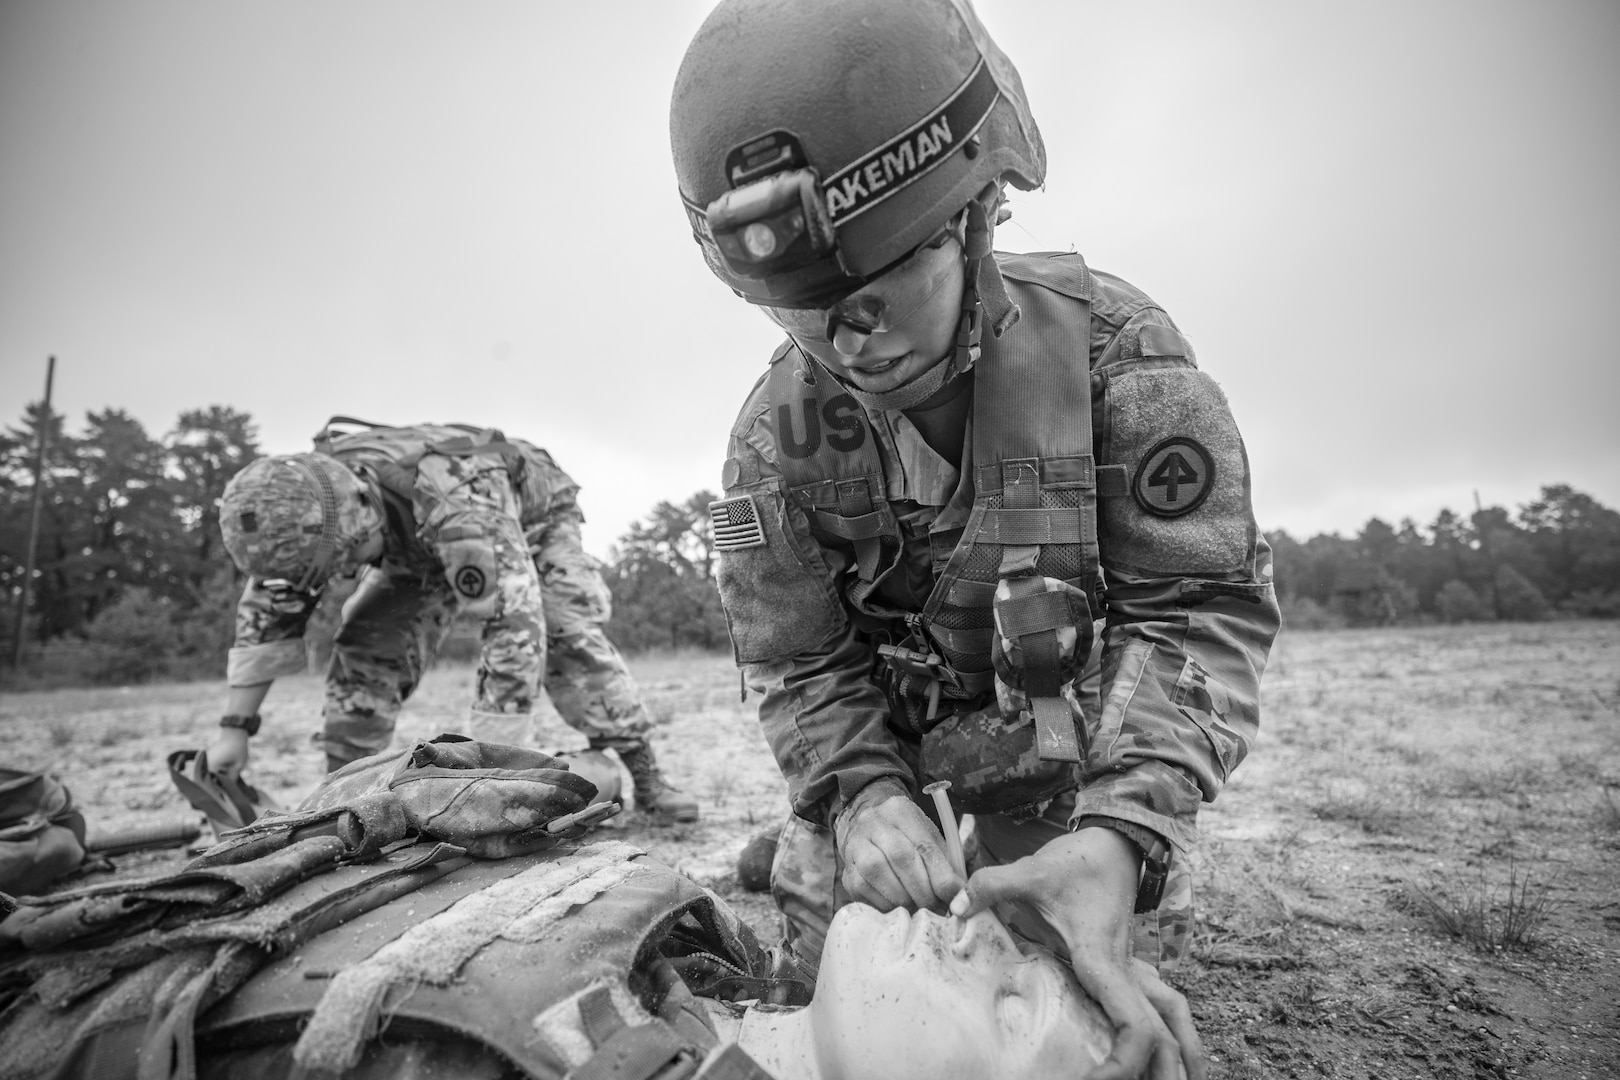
[905, 995]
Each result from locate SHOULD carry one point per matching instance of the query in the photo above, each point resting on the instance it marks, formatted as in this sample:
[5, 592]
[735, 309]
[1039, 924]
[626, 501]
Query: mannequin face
[905, 995]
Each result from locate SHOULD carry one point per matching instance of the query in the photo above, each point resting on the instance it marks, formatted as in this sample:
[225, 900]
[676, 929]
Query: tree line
[131, 580]
[1559, 555]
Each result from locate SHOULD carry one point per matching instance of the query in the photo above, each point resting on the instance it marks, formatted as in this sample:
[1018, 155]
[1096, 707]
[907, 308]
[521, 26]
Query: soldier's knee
[802, 878]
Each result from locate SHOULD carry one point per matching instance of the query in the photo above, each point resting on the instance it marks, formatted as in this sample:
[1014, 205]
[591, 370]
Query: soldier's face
[917, 995]
[900, 325]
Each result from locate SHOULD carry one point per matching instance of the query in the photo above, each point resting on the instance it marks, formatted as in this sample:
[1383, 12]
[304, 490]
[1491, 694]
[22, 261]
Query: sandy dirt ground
[1416, 874]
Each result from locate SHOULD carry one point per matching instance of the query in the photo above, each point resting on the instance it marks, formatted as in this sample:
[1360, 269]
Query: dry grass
[1479, 761]
[1488, 919]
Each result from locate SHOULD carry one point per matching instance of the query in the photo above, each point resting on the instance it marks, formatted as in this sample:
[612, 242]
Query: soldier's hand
[1083, 885]
[892, 855]
[228, 753]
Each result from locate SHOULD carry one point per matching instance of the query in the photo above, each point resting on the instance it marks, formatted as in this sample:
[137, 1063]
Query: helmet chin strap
[983, 214]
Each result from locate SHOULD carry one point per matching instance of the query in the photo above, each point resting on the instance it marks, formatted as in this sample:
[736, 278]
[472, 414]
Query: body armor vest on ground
[531, 964]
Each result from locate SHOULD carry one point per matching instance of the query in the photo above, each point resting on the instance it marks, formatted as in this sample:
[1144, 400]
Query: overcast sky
[1391, 229]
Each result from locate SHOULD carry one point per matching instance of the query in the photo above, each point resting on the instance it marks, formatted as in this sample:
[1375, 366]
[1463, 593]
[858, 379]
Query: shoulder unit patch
[1174, 477]
[736, 524]
[470, 582]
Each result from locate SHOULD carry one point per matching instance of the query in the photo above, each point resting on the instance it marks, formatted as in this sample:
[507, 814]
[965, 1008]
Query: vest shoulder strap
[1034, 515]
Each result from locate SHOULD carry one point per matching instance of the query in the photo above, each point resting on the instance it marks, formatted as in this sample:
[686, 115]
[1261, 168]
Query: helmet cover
[902, 111]
[294, 517]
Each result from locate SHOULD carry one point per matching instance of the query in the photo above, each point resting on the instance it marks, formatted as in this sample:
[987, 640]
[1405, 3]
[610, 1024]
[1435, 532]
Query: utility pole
[33, 519]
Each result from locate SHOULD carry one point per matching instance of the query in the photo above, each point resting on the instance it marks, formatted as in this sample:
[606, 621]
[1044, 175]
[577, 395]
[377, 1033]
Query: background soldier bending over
[444, 521]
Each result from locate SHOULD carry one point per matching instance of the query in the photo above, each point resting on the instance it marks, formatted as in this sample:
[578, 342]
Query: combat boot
[654, 795]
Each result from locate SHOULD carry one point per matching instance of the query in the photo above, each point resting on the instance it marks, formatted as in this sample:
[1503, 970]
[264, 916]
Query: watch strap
[249, 724]
[1156, 855]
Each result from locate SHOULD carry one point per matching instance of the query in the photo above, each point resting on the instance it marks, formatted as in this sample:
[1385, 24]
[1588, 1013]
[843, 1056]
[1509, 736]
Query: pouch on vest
[994, 763]
[1043, 636]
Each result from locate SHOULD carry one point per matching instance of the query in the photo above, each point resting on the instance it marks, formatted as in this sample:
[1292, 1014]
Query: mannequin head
[905, 995]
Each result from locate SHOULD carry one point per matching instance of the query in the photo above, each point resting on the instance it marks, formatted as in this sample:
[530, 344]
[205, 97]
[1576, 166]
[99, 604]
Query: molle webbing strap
[970, 594]
[1033, 613]
[858, 520]
[624, 1051]
[599, 1016]
[1031, 525]
[974, 639]
[1113, 481]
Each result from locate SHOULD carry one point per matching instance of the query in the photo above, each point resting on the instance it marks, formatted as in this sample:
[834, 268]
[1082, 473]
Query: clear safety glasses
[884, 302]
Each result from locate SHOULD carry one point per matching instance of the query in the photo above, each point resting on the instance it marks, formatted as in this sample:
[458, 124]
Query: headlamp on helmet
[817, 143]
[774, 220]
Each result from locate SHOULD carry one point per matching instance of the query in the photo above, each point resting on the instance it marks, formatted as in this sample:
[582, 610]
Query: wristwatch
[1156, 855]
[249, 724]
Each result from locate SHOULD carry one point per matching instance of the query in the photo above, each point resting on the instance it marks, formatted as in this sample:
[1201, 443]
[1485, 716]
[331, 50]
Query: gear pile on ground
[428, 859]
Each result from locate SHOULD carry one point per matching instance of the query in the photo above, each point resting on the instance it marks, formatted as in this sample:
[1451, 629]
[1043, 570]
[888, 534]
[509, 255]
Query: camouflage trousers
[393, 627]
[805, 876]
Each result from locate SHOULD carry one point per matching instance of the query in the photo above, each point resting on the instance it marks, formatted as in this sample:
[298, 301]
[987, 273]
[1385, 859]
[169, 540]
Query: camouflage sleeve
[470, 517]
[1191, 612]
[825, 719]
[269, 634]
[546, 493]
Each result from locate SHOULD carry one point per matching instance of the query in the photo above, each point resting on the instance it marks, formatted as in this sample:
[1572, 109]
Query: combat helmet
[819, 142]
[294, 517]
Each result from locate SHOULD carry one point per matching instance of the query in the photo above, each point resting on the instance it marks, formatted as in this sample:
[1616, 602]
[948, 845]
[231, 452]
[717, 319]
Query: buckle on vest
[926, 665]
[922, 665]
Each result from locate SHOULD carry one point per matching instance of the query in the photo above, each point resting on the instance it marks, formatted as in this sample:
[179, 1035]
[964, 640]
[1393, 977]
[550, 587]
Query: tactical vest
[561, 988]
[1034, 482]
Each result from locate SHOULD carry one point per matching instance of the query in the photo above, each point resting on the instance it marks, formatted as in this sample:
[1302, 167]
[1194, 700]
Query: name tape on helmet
[915, 152]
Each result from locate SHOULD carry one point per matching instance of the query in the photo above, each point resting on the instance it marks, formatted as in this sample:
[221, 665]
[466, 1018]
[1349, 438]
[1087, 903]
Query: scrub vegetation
[1415, 875]
[131, 583]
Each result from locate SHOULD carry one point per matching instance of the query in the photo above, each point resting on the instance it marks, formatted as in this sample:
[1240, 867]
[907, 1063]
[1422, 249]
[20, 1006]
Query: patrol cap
[293, 517]
[818, 142]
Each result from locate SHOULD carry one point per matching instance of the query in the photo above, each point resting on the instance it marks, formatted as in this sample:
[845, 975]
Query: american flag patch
[736, 524]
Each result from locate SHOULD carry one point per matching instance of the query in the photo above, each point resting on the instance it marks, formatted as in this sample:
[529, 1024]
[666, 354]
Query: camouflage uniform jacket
[468, 529]
[1190, 610]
